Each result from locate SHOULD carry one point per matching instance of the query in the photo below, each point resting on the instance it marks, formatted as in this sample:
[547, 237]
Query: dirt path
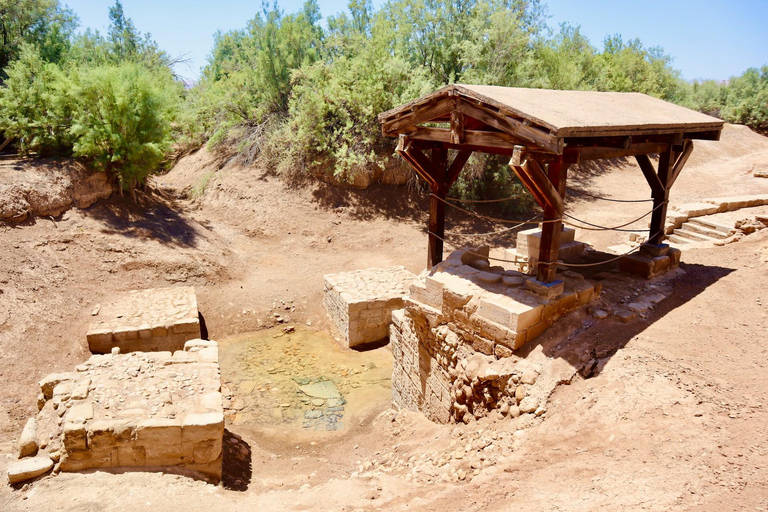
[674, 417]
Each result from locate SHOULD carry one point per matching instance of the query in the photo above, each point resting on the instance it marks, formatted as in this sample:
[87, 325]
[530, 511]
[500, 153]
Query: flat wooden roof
[576, 113]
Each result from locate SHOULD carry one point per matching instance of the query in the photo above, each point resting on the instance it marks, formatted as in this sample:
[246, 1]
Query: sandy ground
[674, 418]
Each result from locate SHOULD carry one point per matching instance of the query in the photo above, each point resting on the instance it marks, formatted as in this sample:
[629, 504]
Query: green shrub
[123, 119]
[36, 105]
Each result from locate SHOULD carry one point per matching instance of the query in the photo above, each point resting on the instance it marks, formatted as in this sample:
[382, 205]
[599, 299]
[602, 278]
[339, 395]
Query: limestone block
[207, 451]
[52, 380]
[202, 427]
[158, 431]
[674, 257]
[546, 290]
[80, 413]
[74, 436]
[28, 469]
[535, 331]
[28, 440]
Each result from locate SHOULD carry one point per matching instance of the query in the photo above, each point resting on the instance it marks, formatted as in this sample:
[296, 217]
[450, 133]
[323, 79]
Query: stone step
[690, 235]
[711, 224]
[704, 230]
[678, 240]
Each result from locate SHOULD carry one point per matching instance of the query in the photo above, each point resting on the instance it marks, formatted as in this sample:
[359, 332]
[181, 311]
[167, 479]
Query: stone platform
[361, 302]
[459, 314]
[651, 261]
[158, 411]
[146, 320]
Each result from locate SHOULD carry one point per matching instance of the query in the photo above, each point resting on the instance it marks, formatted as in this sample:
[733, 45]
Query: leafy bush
[122, 122]
[747, 99]
[36, 104]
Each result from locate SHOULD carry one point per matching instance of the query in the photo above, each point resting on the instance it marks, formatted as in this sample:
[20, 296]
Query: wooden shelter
[543, 131]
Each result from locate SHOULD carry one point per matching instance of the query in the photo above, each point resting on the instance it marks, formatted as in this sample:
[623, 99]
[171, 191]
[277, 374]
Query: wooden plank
[421, 115]
[471, 137]
[657, 188]
[457, 128]
[598, 153]
[680, 163]
[511, 126]
[550, 231]
[7, 141]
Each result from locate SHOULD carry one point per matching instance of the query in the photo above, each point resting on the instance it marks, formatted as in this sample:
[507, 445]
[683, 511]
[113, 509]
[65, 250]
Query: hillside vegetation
[301, 95]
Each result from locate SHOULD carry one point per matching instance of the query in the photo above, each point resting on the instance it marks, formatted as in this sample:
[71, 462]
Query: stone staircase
[699, 229]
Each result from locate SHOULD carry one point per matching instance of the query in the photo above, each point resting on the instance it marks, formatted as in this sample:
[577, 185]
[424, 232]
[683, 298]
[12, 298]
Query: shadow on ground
[598, 342]
[236, 469]
[148, 217]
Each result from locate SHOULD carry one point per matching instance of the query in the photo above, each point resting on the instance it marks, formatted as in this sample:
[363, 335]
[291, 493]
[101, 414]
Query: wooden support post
[660, 198]
[437, 206]
[550, 231]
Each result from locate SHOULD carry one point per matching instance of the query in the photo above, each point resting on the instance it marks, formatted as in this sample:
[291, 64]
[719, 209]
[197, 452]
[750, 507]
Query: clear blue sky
[707, 38]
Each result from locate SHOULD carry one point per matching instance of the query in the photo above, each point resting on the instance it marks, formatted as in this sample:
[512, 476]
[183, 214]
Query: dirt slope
[674, 419]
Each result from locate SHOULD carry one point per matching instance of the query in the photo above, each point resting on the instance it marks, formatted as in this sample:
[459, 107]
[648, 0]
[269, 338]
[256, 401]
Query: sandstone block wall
[146, 320]
[153, 411]
[454, 342]
[360, 303]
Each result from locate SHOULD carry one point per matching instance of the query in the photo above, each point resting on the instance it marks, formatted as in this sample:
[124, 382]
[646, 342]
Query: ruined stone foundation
[454, 342]
[150, 411]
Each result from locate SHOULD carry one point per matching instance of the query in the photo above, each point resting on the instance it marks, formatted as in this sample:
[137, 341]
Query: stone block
[206, 452]
[74, 436]
[546, 290]
[28, 469]
[158, 431]
[674, 257]
[140, 320]
[535, 331]
[202, 427]
[51, 381]
[360, 303]
[28, 440]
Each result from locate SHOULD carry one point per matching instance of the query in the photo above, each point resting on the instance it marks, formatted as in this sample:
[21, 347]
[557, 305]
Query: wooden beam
[543, 185]
[680, 163]
[660, 198]
[598, 153]
[527, 134]
[457, 165]
[657, 188]
[439, 162]
[457, 128]
[550, 231]
[417, 159]
[471, 137]
[420, 115]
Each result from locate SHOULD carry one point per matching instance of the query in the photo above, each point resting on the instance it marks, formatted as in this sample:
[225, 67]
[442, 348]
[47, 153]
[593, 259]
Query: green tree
[122, 123]
[44, 23]
[36, 104]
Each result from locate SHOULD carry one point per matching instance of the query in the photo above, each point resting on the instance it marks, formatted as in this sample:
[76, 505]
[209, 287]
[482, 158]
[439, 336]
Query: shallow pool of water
[300, 380]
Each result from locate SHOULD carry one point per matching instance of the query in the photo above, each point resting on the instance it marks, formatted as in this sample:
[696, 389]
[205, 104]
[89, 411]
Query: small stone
[529, 377]
[528, 405]
[600, 314]
[513, 281]
[28, 440]
[28, 469]
[514, 411]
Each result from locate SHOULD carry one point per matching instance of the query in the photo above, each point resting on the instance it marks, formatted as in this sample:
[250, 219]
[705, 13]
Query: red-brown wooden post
[660, 198]
[550, 231]
[439, 159]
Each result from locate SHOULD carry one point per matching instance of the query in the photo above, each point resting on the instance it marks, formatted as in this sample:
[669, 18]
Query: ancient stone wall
[360, 303]
[153, 411]
[454, 342]
[146, 320]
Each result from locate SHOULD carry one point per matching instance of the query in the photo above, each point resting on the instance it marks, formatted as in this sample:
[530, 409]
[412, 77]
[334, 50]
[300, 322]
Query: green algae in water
[301, 380]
